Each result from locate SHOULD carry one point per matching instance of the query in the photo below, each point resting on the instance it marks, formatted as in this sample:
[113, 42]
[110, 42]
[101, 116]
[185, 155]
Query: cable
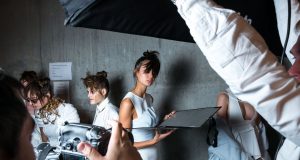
[287, 32]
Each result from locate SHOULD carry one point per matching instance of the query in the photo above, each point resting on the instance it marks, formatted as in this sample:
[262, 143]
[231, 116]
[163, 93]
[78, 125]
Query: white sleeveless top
[146, 117]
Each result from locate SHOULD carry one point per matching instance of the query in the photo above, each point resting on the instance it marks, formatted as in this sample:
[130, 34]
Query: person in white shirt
[236, 51]
[97, 89]
[51, 112]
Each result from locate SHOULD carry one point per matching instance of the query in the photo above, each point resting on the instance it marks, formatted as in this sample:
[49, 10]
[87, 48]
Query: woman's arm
[222, 101]
[238, 53]
[126, 115]
[67, 113]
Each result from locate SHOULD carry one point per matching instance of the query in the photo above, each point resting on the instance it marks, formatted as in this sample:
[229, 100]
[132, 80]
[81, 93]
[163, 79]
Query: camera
[71, 134]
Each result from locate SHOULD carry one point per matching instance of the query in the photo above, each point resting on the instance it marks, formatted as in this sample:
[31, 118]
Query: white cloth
[66, 113]
[288, 151]
[105, 111]
[241, 57]
[238, 138]
[250, 136]
[36, 138]
[228, 147]
[146, 117]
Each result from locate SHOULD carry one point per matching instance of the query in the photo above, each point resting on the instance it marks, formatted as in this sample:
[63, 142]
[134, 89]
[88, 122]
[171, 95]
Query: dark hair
[40, 88]
[152, 64]
[96, 82]
[29, 76]
[12, 116]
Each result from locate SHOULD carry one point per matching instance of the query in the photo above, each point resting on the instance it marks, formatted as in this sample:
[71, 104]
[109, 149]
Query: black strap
[212, 133]
[45, 149]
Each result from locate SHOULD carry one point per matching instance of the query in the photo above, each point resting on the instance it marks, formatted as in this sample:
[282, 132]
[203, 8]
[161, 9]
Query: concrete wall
[33, 35]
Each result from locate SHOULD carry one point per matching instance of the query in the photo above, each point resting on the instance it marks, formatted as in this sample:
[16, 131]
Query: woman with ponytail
[136, 109]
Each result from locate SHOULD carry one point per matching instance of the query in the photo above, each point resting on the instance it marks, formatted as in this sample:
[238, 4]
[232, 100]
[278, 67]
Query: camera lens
[76, 141]
[69, 146]
[94, 142]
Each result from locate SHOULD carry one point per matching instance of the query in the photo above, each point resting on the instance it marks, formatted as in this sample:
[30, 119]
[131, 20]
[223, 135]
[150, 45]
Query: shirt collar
[101, 106]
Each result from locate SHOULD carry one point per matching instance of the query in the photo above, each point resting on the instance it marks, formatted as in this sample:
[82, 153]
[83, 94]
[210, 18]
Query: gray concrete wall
[33, 35]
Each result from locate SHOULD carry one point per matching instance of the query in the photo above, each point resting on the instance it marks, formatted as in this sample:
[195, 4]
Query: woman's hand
[160, 136]
[119, 147]
[170, 115]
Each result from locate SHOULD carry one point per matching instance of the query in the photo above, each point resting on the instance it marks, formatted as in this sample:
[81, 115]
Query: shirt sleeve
[112, 114]
[67, 113]
[240, 56]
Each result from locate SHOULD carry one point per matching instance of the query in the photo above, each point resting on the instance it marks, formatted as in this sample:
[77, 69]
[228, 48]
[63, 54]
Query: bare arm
[127, 114]
[222, 101]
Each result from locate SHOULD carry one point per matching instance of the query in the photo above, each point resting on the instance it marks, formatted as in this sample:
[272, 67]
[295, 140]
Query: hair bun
[150, 53]
[44, 81]
[102, 74]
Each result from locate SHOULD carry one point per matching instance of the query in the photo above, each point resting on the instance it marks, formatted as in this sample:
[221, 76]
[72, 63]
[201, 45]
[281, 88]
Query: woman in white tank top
[136, 109]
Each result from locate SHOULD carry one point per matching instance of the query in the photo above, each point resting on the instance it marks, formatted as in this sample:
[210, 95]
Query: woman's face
[143, 77]
[295, 68]
[24, 82]
[95, 96]
[35, 102]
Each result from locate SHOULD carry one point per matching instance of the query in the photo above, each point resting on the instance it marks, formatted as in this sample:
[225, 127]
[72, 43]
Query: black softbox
[159, 18]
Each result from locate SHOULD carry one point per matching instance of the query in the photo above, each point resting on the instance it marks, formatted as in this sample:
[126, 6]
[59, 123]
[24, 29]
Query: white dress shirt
[237, 52]
[105, 111]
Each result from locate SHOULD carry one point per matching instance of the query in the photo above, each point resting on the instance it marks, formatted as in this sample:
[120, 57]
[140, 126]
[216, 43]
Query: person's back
[241, 133]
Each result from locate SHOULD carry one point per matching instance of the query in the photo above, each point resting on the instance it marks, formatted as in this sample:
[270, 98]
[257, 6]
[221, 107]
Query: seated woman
[52, 112]
[241, 133]
[97, 90]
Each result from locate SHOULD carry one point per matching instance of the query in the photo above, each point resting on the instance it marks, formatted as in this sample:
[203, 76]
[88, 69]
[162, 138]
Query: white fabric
[105, 111]
[241, 57]
[146, 117]
[66, 113]
[36, 138]
[243, 130]
[228, 147]
[288, 151]
[250, 136]
[239, 138]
